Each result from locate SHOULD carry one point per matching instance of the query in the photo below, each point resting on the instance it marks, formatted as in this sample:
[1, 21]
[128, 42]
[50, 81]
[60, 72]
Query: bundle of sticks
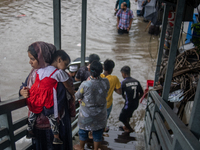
[186, 73]
[185, 76]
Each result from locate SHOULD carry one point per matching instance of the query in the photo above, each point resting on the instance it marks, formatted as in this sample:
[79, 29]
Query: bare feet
[77, 147]
[106, 135]
[124, 127]
[56, 136]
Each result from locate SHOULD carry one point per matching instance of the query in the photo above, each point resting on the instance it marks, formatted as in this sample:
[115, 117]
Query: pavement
[119, 140]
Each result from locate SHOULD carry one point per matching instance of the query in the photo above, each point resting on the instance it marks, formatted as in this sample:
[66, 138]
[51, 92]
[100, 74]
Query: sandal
[121, 128]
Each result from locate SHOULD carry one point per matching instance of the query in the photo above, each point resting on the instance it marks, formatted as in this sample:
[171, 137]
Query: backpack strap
[53, 73]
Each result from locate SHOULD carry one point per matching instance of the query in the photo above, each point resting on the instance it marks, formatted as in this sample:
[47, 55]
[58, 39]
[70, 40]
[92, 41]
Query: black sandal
[121, 128]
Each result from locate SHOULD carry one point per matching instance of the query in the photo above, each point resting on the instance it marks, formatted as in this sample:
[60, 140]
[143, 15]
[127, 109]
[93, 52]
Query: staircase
[119, 140]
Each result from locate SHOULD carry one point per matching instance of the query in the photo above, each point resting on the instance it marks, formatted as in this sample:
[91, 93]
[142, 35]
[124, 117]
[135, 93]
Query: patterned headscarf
[45, 53]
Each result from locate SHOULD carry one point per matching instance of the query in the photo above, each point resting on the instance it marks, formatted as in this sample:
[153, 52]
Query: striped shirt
[125, 18]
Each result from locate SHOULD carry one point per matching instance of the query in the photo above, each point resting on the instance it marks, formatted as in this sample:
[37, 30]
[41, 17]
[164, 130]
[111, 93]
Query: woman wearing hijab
[40, 54]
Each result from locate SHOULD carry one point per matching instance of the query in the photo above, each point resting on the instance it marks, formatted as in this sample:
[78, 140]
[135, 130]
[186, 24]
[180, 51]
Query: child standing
[43, 94]
[131, 92]
[92, 115]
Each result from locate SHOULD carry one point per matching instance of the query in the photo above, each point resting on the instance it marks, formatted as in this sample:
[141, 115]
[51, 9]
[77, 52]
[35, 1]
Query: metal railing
[159, 119]
[10, 131]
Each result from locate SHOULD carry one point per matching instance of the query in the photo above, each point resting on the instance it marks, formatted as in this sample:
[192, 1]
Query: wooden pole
[147, 26]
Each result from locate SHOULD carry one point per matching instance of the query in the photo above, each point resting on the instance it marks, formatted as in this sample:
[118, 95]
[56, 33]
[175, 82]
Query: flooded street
[17, 32]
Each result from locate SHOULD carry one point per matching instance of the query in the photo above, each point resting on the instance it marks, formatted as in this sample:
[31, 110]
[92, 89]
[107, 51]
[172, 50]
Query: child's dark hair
[108, 65]
[126, 70]
[62, 54]
[96, 68]
[93, 57]
[32, 51]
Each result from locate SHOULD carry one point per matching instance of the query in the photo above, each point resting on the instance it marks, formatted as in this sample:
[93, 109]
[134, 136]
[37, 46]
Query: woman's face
[33, 62]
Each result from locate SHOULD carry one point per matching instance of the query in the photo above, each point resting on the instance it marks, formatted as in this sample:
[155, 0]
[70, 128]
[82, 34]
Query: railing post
[162, 40]
[57, 23]
[173, 48]
[83, 31]
[6, 122]
[195, 114]
[176, 145]
[152, 128]
[147, 108]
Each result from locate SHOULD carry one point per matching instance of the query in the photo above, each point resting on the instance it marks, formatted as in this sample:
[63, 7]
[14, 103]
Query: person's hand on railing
[24, 92]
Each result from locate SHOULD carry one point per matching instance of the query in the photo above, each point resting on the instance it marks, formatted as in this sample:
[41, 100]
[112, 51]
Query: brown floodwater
[136, 49]
[16, 33]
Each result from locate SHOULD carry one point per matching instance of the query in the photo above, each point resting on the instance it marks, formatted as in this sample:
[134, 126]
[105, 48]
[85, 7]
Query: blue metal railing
[10, 131]
[8, 127]
[159, 118]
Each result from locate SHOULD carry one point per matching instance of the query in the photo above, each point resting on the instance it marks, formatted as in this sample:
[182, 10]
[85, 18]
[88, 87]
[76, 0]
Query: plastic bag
[176, 96]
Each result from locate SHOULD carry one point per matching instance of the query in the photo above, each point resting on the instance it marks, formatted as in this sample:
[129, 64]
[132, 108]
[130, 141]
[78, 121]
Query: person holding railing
[42, 95]
[92, 114]
[40, 57]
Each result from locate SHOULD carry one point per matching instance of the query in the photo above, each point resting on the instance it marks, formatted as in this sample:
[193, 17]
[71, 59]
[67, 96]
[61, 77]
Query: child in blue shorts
[93, 113]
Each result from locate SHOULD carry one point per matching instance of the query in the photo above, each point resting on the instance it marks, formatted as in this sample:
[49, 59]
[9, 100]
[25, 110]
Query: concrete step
[119, 140]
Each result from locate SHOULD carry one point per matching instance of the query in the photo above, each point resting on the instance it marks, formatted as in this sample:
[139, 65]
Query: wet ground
[23, 22]
[118, 140]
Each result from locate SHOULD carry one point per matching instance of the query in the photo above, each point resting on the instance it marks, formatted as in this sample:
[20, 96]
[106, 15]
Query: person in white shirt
[139, 7]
